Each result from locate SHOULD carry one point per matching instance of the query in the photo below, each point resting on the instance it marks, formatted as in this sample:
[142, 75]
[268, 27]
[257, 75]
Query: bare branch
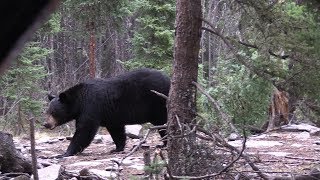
[217, 107]
[160, 94]
[242, 60]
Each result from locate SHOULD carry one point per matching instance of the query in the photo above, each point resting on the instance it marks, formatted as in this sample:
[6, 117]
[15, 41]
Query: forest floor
[281, 153]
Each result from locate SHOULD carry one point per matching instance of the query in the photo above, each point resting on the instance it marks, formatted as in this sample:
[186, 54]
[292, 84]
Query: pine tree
[21, 85]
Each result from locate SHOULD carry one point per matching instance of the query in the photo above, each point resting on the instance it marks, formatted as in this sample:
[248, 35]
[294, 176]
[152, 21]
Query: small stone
[233, 137]
[97, 141]
[61, 138]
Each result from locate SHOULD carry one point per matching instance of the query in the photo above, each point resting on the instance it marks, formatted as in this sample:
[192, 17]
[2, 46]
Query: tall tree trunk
[182, 96]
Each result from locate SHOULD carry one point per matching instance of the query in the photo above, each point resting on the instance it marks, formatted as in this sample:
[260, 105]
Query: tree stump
[11, 160]
[278, 110]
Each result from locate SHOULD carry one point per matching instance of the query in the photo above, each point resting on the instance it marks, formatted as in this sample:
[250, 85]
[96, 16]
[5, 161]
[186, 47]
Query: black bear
[111, 103]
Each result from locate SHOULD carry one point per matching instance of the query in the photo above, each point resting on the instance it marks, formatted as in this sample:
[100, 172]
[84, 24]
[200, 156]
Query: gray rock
[113, 168]
[301, 127]
[103, 174]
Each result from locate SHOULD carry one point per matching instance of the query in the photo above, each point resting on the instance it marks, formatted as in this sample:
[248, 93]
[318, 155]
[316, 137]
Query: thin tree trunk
[92, 48]
[33, 150]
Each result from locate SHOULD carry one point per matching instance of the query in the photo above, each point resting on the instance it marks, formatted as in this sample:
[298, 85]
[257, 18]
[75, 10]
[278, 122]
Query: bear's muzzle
[51, 123]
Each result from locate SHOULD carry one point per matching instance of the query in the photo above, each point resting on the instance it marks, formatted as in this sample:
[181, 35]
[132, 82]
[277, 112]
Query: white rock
[301, 127]
[133, 130]
[233, 137]
[104, 138]
[49, 173]
[255, 144]
[261, 136]
[86, 163]
[278, 154]
[137, 166]
[302, 136]
[296, 145]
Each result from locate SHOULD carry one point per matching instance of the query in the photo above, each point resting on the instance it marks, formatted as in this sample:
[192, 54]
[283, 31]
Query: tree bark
[182, 96]
[10, 159]
[278, 110]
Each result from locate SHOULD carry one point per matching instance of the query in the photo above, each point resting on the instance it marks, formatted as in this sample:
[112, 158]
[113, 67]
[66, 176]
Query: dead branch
[136, 147]
[221, 171]
[12, 175]
[160, 94]
[270, 52]
[179, 123]
[245, 157]
[217, 107]
[302, 158]
[263, 73]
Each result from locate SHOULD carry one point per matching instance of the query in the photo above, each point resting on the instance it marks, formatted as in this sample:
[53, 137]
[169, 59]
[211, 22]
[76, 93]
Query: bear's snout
[47, 125]
[51, 123]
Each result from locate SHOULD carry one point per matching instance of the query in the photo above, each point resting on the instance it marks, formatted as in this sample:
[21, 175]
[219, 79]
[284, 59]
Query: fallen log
[11, 160]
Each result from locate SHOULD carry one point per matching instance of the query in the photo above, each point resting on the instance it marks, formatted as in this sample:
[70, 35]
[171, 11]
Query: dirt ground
[276, 153]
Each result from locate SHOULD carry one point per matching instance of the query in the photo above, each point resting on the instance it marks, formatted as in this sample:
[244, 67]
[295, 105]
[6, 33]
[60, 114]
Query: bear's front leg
[81, 139]
[118, 136]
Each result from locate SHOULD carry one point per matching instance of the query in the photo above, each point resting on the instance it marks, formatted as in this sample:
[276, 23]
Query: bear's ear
[63, 97]
[50, 97]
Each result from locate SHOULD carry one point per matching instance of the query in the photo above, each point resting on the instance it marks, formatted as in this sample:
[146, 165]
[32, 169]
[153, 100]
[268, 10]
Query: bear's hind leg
[118, 136]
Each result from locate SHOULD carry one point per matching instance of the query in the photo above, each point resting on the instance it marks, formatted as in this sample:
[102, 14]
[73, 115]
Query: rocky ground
[291, 150]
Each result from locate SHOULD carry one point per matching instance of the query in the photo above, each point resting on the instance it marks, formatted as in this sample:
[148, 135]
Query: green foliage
[22, 80]
[243, 95]
[153, 36]
[290, 29]
[283, 29]
[97, 11]
[52, 26]
[155, 167]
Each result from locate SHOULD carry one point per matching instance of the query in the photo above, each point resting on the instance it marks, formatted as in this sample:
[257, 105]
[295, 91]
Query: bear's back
[127, 98]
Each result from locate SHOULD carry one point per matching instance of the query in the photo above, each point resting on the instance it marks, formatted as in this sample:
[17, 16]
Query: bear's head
[59, 111]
